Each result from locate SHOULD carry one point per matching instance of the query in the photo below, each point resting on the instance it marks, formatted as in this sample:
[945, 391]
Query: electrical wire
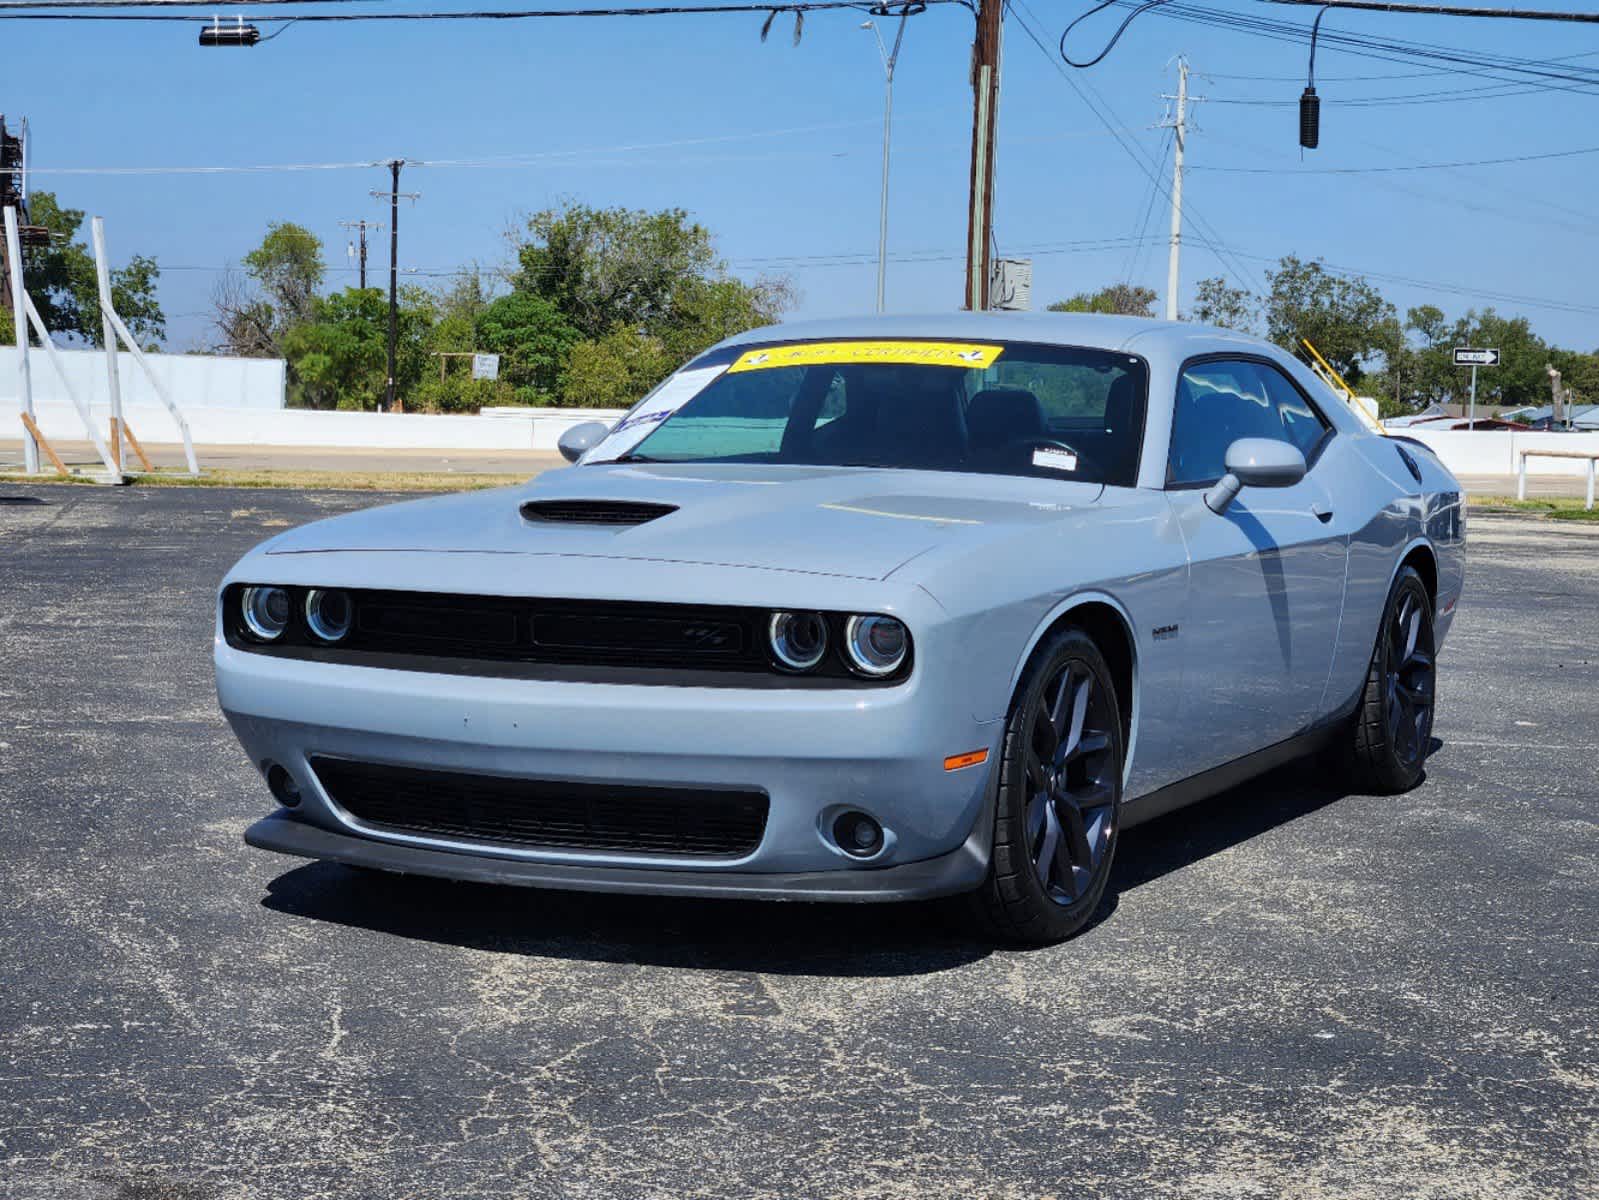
[1503, 68]
[44, 12]
[1444, 166]
[1203, 232]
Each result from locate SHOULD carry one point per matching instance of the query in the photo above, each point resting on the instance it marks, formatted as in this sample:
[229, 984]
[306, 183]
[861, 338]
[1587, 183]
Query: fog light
[328, 614]
[265, 611]
[284, 789]
[857, 834]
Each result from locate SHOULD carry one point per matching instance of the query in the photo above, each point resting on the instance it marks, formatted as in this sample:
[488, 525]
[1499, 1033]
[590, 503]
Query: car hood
[853, 522]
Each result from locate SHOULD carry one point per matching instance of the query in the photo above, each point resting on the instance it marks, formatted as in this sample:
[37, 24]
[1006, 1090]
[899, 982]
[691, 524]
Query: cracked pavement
[1290, 992]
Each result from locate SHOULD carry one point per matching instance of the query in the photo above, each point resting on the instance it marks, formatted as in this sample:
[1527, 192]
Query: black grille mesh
[547, 813]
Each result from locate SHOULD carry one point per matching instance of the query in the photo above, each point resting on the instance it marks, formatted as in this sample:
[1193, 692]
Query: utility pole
[1179, 142]
[985, 120]
[362, 225]
[393, 197]
[890, 60]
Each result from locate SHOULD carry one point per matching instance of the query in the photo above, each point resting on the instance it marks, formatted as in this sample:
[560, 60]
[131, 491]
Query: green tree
[1123, 299]
[60, 277]
[1216, 302]
[1346, 318]
[287, 266]
[278, 292]
[339, 358]
[615, 370]
[642, 292]
[613, 266]
[1579, 372]
[533, 341]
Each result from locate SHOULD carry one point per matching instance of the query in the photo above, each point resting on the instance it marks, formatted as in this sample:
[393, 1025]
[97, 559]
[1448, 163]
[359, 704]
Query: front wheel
[1059, 801]
[1392, 730]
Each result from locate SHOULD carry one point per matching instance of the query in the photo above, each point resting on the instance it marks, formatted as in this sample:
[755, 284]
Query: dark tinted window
[1219, 402]
[1048, 411]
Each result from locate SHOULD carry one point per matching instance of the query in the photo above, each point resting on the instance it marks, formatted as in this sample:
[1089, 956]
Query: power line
[1450, 10]
[1499, 67]
[1444, 166]
[510, 160]
[47, 10]
[1204, 234]
[1423, 74]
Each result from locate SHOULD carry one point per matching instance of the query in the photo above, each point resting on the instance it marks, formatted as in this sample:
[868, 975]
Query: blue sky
[793, 167]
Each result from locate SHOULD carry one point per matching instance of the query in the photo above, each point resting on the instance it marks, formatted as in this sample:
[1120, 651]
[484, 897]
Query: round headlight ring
[798, 639]
[266, 612]
[876, 645]
[328, 614]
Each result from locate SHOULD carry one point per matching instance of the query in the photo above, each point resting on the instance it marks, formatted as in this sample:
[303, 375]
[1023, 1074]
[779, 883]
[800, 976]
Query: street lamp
[889, 60]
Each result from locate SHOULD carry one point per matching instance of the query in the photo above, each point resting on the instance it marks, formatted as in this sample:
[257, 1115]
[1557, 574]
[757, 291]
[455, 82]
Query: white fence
[193, 380]
[1498, 451]
[500, 429]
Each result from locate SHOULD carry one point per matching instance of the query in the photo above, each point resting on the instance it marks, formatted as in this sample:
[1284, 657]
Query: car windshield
[1010, 408]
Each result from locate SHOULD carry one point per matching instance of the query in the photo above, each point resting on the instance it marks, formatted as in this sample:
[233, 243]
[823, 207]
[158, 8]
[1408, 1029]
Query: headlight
[799, 639]
[875, 645]
[265, 611]
[328, 614]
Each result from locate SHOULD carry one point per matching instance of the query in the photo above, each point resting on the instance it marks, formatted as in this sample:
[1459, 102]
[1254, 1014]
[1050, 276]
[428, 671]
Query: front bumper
[949, 874]
[813, 752]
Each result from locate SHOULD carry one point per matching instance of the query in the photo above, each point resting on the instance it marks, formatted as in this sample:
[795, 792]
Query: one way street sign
[1475, 358]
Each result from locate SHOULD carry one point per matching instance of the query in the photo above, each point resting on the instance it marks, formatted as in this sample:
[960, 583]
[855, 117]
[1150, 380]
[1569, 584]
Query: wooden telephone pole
[394, 196]
[985, 119]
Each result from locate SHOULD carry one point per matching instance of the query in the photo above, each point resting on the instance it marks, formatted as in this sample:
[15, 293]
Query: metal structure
[114, 330]
[1179, 126]
[890, 60]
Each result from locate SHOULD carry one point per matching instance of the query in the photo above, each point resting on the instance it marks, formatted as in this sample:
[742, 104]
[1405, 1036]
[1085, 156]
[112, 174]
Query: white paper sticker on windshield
[1053, 459]
[655, 408]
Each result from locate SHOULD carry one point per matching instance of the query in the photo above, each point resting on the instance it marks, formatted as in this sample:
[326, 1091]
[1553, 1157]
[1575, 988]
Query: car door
[1266, 577]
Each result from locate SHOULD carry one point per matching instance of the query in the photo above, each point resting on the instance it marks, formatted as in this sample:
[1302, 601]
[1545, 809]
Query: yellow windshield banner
[818, 354]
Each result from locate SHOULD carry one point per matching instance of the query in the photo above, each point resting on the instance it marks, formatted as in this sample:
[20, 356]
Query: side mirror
[1256, 462]
[581, 438]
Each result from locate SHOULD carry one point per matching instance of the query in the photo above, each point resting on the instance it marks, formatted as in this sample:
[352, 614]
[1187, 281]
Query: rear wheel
[1059, 801]
[1393, 728]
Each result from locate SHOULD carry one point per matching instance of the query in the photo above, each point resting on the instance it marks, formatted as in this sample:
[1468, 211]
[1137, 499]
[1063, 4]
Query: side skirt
[1218, 779]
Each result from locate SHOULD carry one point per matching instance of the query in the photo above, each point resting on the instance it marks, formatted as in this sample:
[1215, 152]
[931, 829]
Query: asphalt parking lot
[1292, 992]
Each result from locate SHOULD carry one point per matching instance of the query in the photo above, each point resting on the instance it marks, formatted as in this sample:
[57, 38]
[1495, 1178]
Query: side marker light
[970, 759]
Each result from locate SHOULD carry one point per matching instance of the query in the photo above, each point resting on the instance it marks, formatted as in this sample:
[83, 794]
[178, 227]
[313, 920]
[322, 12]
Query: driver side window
[1219, 402]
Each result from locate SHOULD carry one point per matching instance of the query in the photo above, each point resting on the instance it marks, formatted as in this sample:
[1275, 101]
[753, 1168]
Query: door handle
[1324, 515]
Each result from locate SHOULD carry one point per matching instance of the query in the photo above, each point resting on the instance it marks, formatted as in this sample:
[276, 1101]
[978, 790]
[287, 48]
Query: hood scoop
[594, 512]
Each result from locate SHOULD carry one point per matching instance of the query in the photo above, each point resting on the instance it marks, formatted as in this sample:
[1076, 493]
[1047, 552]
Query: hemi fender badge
[1164, 633]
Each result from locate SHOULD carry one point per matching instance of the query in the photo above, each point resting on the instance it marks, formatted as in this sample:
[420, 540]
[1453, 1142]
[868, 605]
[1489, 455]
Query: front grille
[535, 637]
[539, 813]
[595, 512]
[557, 631]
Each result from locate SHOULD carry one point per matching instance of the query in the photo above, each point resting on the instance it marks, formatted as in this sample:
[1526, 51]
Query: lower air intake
[535, 813]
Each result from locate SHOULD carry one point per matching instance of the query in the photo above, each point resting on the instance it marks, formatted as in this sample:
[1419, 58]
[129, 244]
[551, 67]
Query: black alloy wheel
[1059, 795]
[1393, 728]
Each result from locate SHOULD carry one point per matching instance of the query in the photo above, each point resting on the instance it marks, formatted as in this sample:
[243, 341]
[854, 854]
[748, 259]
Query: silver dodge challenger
[860, 610]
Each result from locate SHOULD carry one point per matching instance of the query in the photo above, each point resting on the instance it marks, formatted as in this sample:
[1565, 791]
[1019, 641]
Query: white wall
[192, 380]
[498, 429]
[1497, 451]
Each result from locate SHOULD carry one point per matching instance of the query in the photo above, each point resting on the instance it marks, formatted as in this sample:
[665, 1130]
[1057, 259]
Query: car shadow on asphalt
[761, 936]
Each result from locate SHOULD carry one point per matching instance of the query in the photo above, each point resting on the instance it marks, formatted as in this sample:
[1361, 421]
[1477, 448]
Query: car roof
[1177, 338]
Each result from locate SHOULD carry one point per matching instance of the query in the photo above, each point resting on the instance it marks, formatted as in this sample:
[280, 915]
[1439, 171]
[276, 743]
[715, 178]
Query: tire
[1386, 748]
[1058, 807]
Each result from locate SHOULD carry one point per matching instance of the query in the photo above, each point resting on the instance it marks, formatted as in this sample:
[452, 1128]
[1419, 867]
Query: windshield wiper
[631, 456]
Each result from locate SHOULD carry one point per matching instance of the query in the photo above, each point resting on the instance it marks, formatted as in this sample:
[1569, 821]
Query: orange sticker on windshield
[919, 354]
